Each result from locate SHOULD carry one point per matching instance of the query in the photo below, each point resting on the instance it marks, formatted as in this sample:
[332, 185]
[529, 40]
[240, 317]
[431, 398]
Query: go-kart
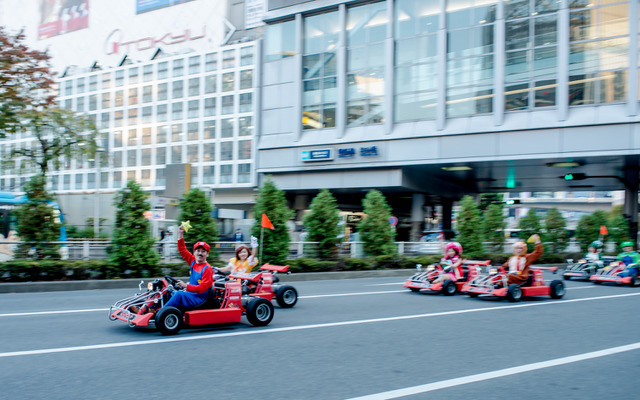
[224, 304]
[494, 283]
[423, 279]
[583, 269]
[611, 274]
[264, 283]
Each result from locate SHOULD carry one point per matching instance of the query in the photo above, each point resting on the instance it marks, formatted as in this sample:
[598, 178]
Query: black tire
[259, 311]
[514, 293]
[287, 296]
[634, 280]
[169, 320]
[413, 289]
[597, 282]
[557, 289]
[473, 295]
[566, 278]
[449, 288]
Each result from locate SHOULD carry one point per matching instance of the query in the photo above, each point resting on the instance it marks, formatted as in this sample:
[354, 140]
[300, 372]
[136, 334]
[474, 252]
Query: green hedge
[61, 270]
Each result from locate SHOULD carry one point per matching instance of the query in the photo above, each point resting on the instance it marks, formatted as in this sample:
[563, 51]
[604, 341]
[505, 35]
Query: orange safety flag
[603, 230]
[266, 223]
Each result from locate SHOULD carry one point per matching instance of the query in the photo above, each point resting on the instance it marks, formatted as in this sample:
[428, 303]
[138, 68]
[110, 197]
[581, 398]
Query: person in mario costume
[200, 278]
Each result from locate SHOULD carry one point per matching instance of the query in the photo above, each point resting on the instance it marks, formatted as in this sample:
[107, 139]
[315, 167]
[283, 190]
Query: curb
[61, 286]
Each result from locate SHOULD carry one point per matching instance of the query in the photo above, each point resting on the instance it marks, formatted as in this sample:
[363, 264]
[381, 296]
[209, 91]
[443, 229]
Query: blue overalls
[182, 298]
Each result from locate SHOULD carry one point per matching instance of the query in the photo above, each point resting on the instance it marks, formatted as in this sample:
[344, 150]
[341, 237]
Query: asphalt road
[345, 339]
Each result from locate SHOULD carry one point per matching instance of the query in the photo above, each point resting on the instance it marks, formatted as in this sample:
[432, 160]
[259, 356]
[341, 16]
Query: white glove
[254, 241]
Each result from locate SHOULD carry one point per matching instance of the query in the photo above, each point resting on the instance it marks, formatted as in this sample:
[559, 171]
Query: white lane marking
[258, 331]
[388, 284]
[317, 296]
[429, 387]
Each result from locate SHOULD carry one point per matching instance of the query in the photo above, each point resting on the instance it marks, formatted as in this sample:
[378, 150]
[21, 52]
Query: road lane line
[317, 296]
[259, 331]
[429, 387]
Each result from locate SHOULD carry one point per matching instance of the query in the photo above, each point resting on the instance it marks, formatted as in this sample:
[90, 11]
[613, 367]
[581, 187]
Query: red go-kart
[264, 283]
[423, 279]
[494, 284]
[611, 274]
[224, 304]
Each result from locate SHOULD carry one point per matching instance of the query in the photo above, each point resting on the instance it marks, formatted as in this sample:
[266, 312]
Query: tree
[26, 82]
[58, 136]
[469, 234]
[588, 228]
[555, 230]
[322, 223]
[487, 199]
[132, 245]
[618, 226]
[275, 242]
[38, 225]
[375, 231]
[529, 225]
[196, 208]
[493, 225]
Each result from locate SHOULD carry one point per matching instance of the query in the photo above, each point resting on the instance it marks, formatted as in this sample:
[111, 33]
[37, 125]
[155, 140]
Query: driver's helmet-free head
[596, 244]
[204, 245]
[628, 243]
[454, 245]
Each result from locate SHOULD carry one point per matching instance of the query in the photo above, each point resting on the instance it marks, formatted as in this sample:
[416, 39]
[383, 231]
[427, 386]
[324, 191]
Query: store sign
[317, 155]
[371, 151]
[117, 44]
[349, 152]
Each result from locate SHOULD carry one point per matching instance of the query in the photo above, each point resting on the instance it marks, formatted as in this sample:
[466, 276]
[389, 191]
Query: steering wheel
[172, 281]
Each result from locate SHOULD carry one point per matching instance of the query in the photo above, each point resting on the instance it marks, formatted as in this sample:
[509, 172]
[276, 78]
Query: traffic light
[511, 202]
[574, 177]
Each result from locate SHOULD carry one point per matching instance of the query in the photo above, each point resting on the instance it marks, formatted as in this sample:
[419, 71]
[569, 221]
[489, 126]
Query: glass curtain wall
[366, 32]
[416, 78]
[470, 50]
[319, 70]
[598, 55]
[531, 45]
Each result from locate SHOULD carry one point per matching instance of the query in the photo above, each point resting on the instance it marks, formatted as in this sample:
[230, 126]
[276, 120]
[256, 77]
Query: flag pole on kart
[265, 224]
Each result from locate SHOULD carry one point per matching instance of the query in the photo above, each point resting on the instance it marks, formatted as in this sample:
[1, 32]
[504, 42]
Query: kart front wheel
[557, 289]
[449, 288]
[514, 293]
[259, 311]
[414, 289]
[287, 296]
[169, 320]
[635, 281]
[473, 295]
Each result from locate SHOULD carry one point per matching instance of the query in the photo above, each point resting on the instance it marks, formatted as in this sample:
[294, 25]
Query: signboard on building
[59, 17]
[317, 155]
[253, 13]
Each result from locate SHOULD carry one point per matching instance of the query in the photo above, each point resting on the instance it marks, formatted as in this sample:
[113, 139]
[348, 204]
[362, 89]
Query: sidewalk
[60, 286]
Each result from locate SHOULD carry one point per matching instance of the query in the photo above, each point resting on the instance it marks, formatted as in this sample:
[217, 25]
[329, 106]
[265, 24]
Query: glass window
[147, 73]
[133, 96]
[106, 100]
[117, 179]
[161, 155]
[194, 109]
[192, 154]
[244, 173]
[226, 127]
[228, 81]
[161, 134]
[244, 150]
[194, 65]
[246, 79]
[161, 112]
[227, 105]
[245, 126]
[93, 83]
[119, 98]
[228, 58]
[145, 157]
[194, 87]
[160, 177]
[177, 111]
[208, 174]
[211, 62]
[106, 80]
[210, 107]
[133, 75]
[209, 151]
[210, 84]
[193, 131]
[119, 78]
[163, 70]
[280, 41]
[80, 85]
[226, 151]
[118, 116]
[245, 103]
[80, 104]
[132, 158]
[209, 129]
[162, 91]
[178, 67]
[93, 102]
[132, 137]
[79, 179]
[117, 138]
[147, 94]
[132, 117]
[226, 174]
[176, 133]
[177, 90]
[246, 56]
[145, 177]
[176, 154]
[146, 136]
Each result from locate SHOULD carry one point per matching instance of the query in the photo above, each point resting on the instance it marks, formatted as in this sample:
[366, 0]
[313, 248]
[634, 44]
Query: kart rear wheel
[557, 289]
[287, 296]
[514, 293]
[566, 278]
[635, 281]
[449, 288]
[169, 320]
[259, 311]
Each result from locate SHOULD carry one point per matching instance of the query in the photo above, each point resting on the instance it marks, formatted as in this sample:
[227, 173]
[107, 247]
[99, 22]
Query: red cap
[204, 245]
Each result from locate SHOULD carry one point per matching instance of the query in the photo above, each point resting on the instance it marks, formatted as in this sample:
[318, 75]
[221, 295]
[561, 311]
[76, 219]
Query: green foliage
[530, 225]
[555, 231]
[588, 228]
[469, 236]
[196, 208]
[37, 222]
[375, 231]
[618, 228]
[322, 224]
[493, 225]
[487, 199]
[275, 242]
[132, 246]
